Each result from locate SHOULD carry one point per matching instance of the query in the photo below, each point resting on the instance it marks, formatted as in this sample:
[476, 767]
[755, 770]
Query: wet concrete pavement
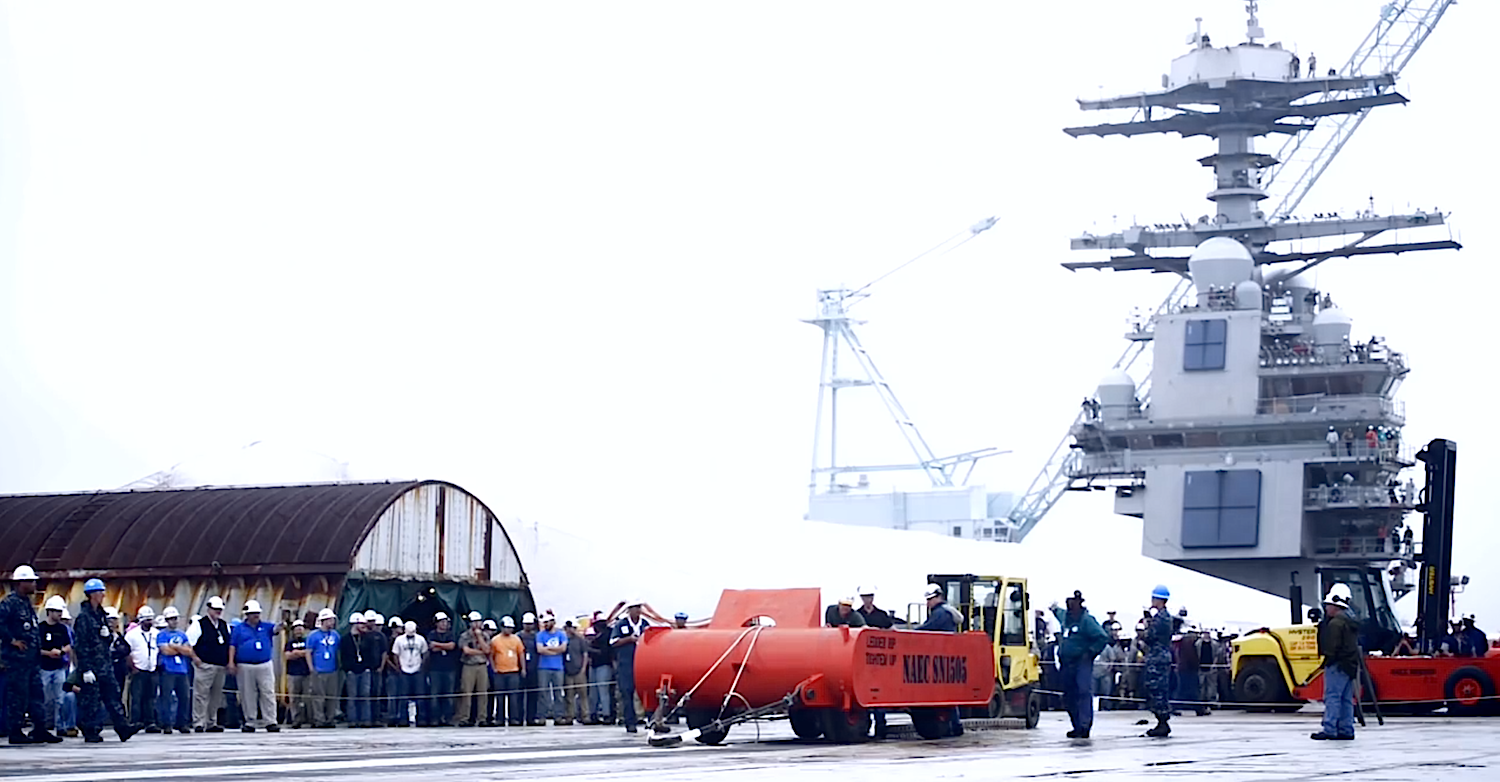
[1227, 745]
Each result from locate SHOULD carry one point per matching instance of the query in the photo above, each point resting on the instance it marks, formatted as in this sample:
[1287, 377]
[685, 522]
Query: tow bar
[659, 728]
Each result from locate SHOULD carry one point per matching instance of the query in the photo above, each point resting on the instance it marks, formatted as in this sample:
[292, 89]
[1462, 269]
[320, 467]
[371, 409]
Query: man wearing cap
[54, 647]
[874, 617]
[250, 645]
[442, 669]
[473, 679]
[96, 674]
[20, 644]
[680, 621]
[508, 656]
[391, 674]
[323, 652]
[411, 652]
[1082, 641]
[371, 648]
[298, 672]
[1158, 678]
[943, 618]
[355, 662]
[551, 649]
[1338, 643]
[575, 675]
[143, 682]
[843, 614]
[531, 677]
[210, 639]
[175, 704]
[623, 637]
[493, 710]
[601, 671]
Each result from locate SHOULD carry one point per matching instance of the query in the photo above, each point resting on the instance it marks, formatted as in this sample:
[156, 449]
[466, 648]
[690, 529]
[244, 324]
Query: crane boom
[1403, 27]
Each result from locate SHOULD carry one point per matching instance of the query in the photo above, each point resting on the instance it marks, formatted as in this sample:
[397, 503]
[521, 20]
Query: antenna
[1253, 31]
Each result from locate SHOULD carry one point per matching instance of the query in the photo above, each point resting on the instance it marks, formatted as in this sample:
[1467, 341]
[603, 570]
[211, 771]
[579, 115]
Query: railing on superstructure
[1351, 496]
[1359, 406]
[1308, 356]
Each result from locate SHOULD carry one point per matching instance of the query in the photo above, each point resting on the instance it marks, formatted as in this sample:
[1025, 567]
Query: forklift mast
[1436, 506]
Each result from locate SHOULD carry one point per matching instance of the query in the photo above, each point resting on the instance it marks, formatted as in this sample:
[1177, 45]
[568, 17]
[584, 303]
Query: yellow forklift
[999, 606]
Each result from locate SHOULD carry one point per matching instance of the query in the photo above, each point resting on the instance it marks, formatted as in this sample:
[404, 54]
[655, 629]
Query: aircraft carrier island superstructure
[1266, 439]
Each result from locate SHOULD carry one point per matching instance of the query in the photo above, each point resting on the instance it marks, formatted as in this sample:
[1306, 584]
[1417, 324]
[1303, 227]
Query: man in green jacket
[1338, 643]
[1082, 640]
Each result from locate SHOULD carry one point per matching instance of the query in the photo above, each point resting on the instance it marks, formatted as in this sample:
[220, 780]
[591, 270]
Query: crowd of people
[64, 675]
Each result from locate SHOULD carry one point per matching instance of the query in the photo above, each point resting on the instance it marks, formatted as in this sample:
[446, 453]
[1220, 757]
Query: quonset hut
[401, 548]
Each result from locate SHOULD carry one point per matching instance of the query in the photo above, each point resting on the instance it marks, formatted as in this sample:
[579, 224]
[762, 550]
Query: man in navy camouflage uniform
[96, 671]
[20, 648]
[1158, 677]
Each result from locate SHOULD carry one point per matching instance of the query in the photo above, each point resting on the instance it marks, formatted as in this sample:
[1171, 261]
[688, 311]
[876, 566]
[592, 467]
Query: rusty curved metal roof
[206, 531]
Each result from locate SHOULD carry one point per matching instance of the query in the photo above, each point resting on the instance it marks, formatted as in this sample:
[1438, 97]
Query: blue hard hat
[93, 585]
[681, 615]
[1160, 592]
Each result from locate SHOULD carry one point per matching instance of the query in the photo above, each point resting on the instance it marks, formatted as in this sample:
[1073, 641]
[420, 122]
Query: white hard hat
[395, 620]
[379, 617]
[252, 606]
[23, 573]
[195, 617]
[66, 616]
[507, 621]
[56, 603]
[327, 613]
[528, 618]
[933, 590]
[145, 613]
[475, 616]
[160, 622]
[110, 612]
[548, 617]
[633, 602]
[216, 602]
[298, 623]
[865, 590]
[170, 612]
[371, 616]
[356, 618]
[439, 616]
[1339, 595]
[411, 627]
[489, 624]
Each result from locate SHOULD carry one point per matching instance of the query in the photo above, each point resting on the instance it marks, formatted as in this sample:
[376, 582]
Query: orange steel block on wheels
[862, 667]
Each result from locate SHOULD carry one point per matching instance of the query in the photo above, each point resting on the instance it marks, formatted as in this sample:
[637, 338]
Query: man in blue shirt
[623, 638]
[250, 645]
[175, 653]
[551, 647]
[323, 648]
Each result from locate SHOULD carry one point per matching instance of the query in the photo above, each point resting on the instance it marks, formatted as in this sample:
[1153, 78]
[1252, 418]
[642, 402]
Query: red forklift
[1280, 668]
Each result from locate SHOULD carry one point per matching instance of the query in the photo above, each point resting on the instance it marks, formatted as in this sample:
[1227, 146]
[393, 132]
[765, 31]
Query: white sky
[558, 254]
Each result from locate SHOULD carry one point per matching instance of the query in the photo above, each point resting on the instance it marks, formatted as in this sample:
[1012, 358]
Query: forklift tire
[846, 727]
[806, 723]
[1470, 692]
[697, 718]
[1260, 682]
[1033, 709]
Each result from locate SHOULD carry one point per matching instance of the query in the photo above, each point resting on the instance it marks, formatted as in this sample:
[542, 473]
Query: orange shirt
[506, 653]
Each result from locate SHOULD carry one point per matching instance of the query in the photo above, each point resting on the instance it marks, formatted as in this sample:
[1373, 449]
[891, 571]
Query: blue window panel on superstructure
[1221, 509]
[1203, 348]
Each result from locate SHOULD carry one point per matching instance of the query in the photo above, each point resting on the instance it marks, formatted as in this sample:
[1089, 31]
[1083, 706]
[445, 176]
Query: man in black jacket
[874, 617]
[1338, 643]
